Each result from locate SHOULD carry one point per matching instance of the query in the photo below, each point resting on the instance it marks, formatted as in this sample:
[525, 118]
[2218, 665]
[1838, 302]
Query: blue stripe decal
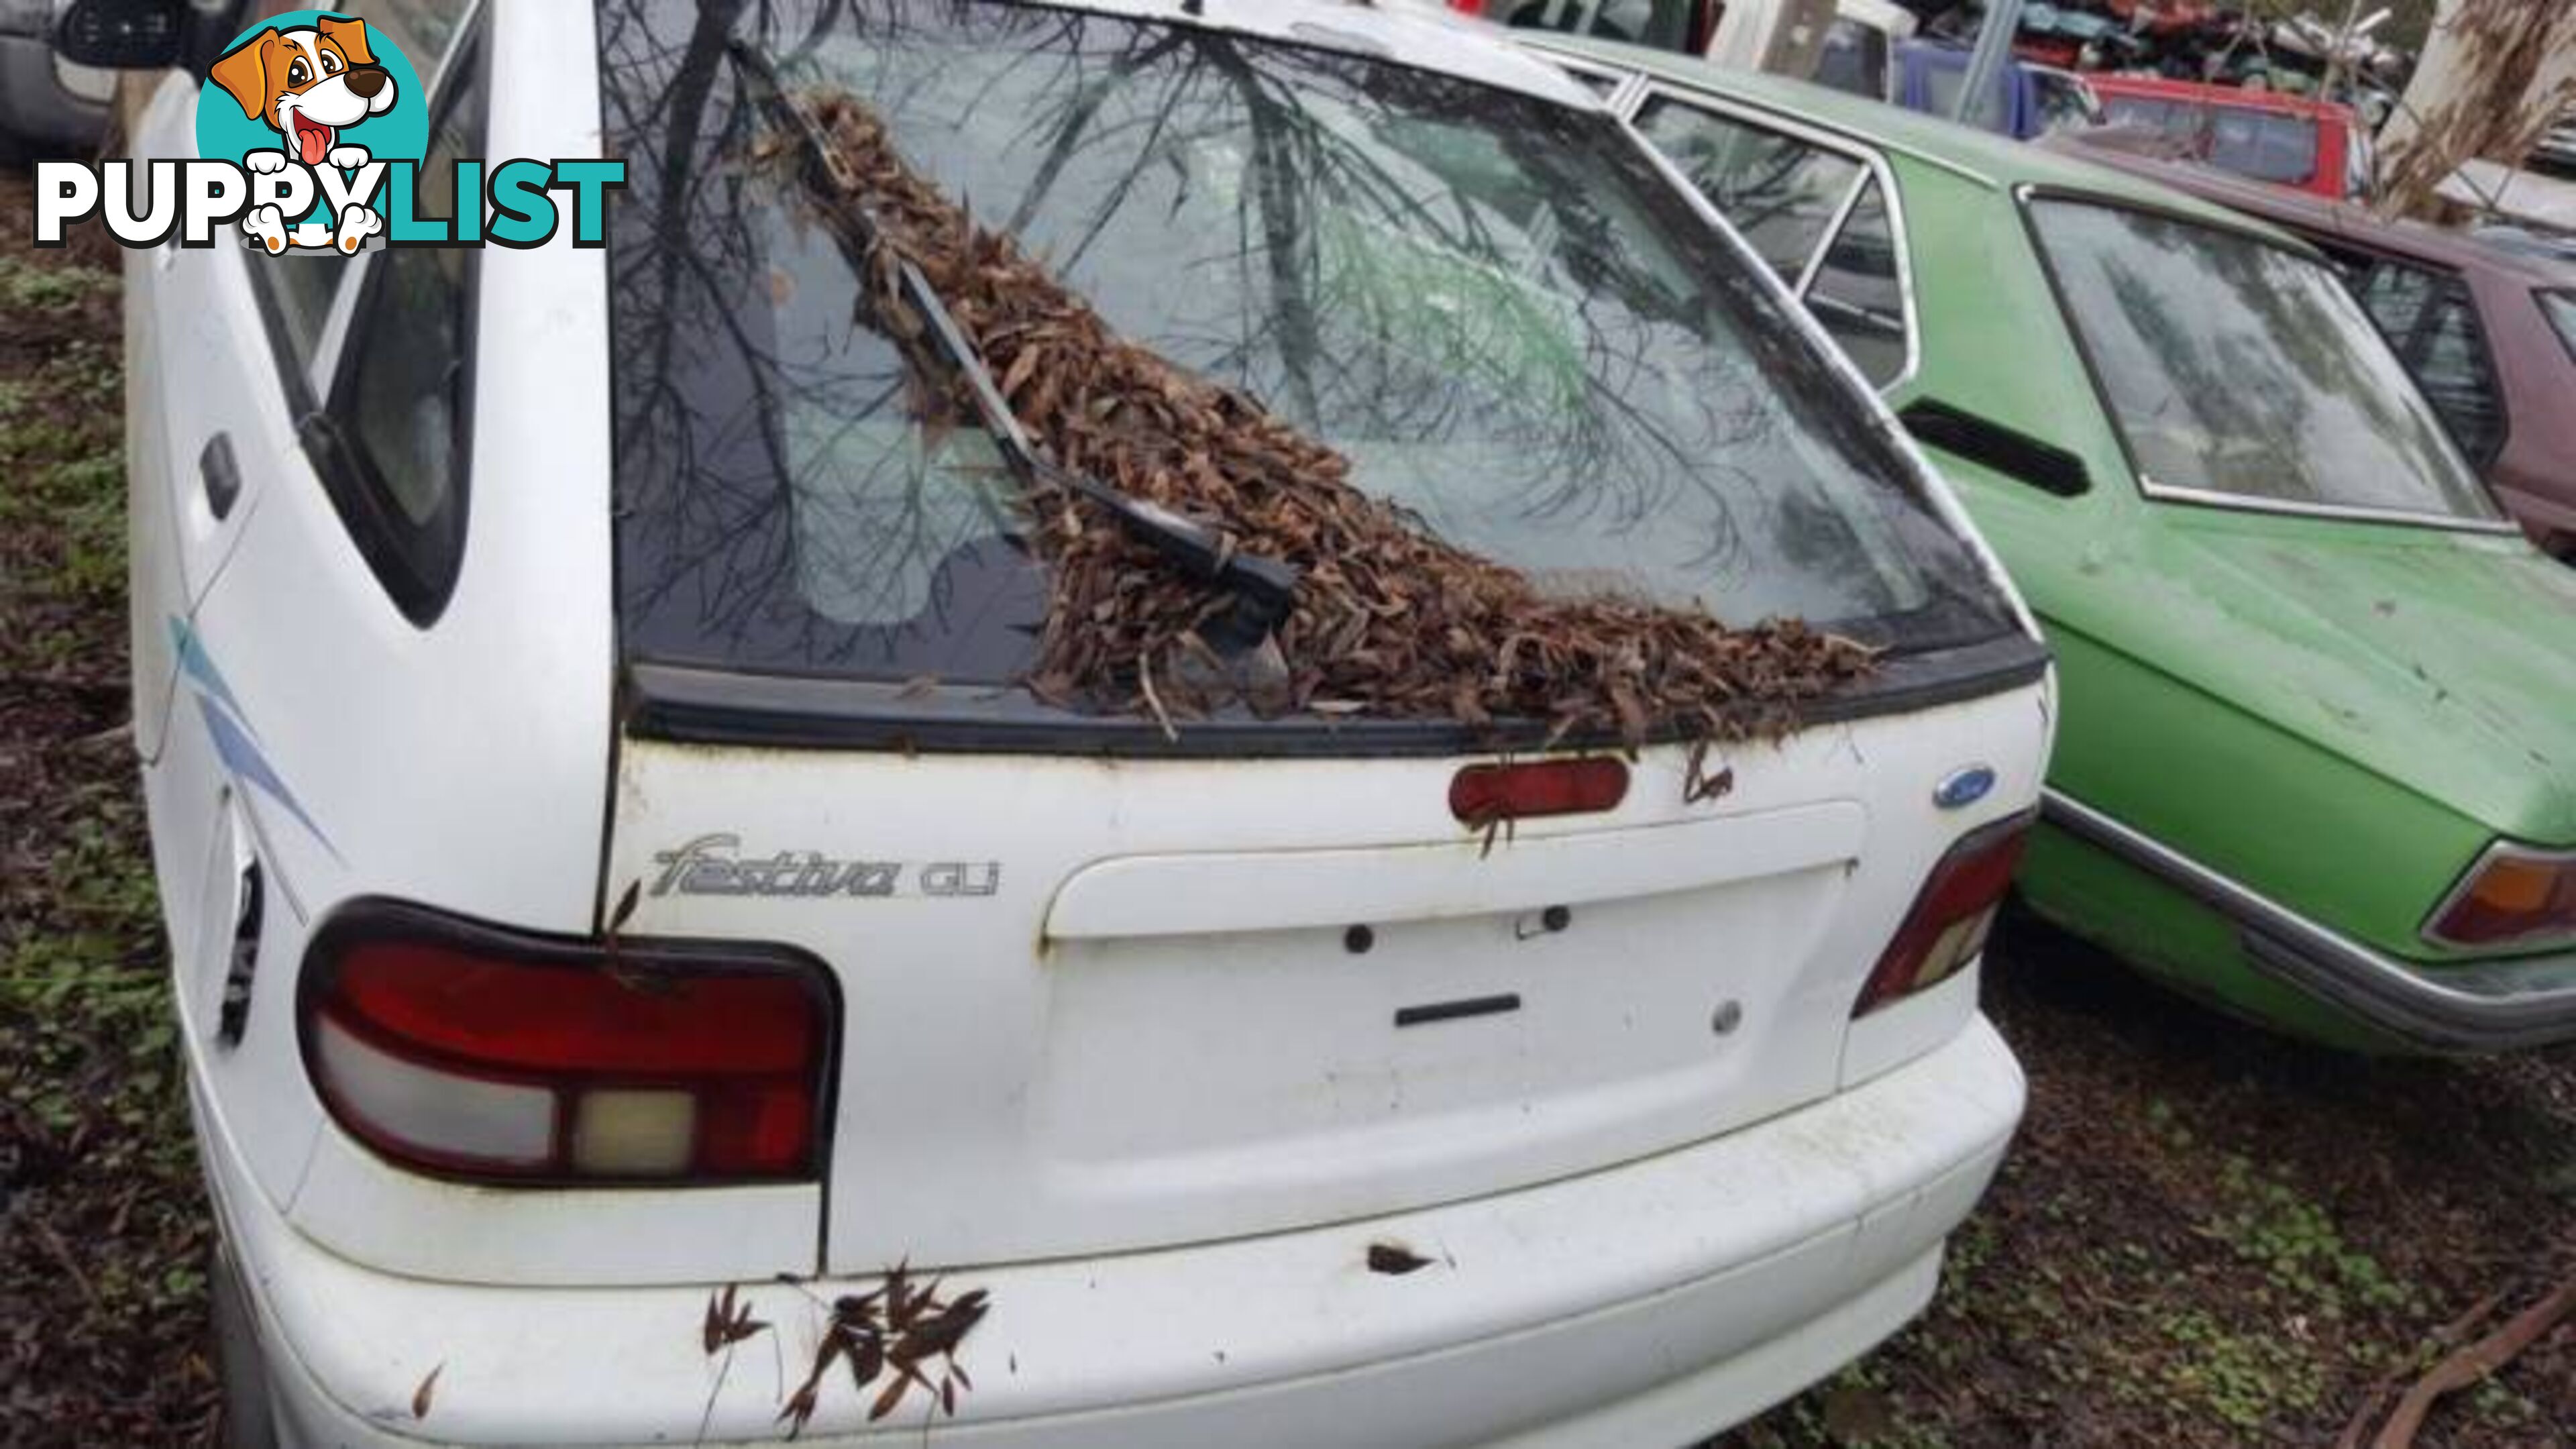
[236, 744]
[200, 667]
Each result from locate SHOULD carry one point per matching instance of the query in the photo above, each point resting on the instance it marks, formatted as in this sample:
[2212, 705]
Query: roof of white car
[1420, 34]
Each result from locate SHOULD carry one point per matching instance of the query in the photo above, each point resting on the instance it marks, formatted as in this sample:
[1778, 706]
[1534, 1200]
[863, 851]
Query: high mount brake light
[2514, 896]
[1947, 926]
[1482, 795]
[467, 1051]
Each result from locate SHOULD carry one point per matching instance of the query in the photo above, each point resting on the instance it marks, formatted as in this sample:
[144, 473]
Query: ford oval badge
[1964, 787]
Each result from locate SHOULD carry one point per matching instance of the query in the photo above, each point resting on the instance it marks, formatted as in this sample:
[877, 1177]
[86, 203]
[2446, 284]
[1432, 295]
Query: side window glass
[1859, 294]
[2433, 324]
[1781, 193]
[2449, 358]
[398, 409]
[301, 287]
[2395, 296]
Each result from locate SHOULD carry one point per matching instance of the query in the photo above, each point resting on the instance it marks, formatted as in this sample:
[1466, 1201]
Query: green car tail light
[2515, 895]
[1947, 925]
[464, 1051]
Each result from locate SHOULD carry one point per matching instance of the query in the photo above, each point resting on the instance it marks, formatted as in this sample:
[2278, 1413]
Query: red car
[2319, 147]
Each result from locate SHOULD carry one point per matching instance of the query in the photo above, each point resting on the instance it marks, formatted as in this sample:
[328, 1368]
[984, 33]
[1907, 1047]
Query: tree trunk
[2494, 75]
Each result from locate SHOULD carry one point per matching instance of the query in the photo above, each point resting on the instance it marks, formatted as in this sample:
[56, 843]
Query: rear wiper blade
[1261, 589]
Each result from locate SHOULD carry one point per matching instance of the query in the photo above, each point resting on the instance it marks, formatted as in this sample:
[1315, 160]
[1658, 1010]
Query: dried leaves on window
[1390, 621]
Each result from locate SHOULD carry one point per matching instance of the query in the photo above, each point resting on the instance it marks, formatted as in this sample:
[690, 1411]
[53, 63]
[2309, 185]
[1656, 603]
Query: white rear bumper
[1645, 1304]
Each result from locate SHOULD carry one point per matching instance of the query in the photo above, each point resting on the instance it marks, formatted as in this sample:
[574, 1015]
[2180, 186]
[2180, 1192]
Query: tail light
[2514, 896]
[1481, 795]
[467, 1051]
[1947, 926]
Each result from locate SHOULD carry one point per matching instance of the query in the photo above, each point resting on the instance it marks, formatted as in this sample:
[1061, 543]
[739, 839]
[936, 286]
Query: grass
[103, 1234]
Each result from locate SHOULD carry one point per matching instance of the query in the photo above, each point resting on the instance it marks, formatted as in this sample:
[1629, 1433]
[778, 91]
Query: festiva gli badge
[312, 129]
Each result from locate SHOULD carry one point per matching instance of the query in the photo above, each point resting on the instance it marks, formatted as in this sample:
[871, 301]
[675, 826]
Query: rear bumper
[1641, 1305]
[2471, 1007]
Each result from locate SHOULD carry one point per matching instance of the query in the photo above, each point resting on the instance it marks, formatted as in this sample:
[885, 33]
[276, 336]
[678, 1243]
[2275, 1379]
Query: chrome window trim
[1625, 83]
[2497, 849]
[1833, 232]
[2027, 192]
[1873, 166]
[2245, 503]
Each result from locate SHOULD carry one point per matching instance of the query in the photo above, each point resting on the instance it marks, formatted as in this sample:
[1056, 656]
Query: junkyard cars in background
[2321, 147]
[2029, 101]
[613, 857]
[2318, 759]
[2489, 332]
[1853, 50]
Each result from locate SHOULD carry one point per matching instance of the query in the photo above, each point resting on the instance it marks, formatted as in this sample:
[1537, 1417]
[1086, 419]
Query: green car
[2317, 763]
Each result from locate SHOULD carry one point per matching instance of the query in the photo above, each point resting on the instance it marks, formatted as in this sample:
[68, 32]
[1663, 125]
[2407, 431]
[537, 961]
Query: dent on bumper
[1658, 1299]
[2470, 1007]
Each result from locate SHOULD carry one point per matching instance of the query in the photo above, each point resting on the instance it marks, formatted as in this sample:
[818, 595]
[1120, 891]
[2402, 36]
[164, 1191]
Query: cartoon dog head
[307, 83]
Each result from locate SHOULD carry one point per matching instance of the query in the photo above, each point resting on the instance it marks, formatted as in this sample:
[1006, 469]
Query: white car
[624, 902]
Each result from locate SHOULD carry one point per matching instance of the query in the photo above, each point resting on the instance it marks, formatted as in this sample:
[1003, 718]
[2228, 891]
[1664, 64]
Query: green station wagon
[2318, 758]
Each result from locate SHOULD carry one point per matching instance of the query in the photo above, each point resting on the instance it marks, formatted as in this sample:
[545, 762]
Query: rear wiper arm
[1262, 589]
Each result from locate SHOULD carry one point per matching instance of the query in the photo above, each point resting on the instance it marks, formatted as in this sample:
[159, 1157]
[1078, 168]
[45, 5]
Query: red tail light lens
[2513, 896]
[1947, 926]
[1481, 795]
[466, 1051]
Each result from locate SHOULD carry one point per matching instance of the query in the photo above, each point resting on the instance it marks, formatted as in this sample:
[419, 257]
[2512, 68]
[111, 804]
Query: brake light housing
[1951, 916]
[1486, 795]
[2512, 896]
[466, 1051]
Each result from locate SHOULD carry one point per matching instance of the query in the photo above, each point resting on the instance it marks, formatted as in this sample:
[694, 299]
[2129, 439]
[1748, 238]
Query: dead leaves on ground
[1390, 621]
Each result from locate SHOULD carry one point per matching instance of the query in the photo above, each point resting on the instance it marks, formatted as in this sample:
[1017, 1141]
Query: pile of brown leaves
[1389, 621]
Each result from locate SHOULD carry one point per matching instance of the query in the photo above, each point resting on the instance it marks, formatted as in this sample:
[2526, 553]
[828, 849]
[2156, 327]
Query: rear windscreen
[1490, 303]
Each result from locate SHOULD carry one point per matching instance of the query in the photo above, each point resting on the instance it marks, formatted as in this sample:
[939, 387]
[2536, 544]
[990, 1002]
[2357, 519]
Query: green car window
[1780, 192]
[1858, 294]
[2237, 367]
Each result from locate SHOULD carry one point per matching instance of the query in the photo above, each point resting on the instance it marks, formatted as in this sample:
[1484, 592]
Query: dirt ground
[2205, 1235]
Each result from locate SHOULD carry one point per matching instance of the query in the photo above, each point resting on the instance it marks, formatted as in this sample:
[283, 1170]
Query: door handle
[220, 474]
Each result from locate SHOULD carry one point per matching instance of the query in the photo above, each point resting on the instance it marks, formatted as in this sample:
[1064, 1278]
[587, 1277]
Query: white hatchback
[625, 901]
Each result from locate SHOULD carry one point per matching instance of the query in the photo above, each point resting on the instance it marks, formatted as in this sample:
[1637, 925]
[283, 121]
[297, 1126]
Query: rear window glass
[2167, 118]
[1491, 304]
[2237, 367]
[2263, 146]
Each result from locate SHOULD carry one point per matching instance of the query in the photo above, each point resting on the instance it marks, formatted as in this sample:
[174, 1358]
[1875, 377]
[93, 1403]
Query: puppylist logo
[311, 134]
